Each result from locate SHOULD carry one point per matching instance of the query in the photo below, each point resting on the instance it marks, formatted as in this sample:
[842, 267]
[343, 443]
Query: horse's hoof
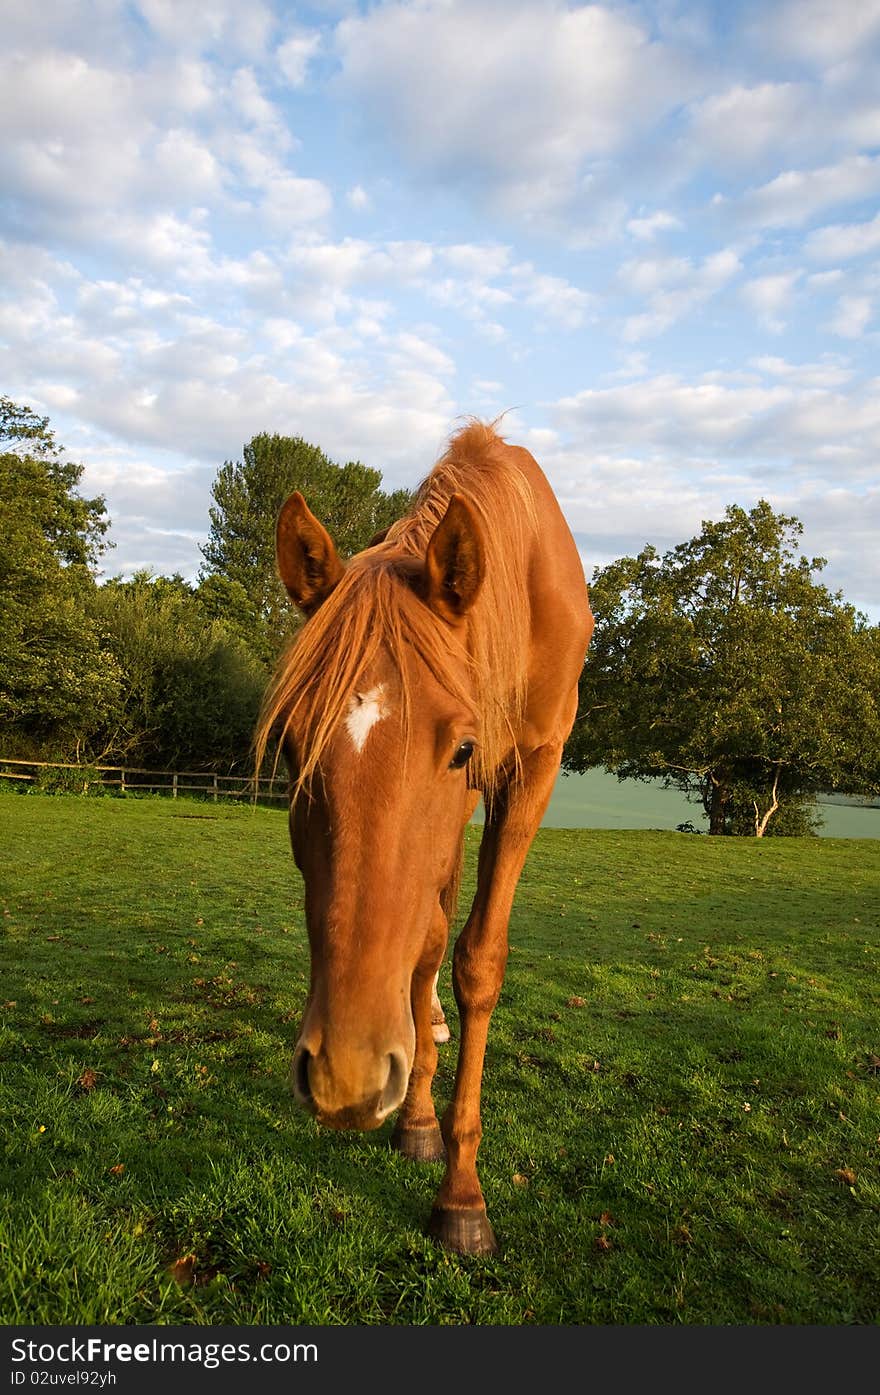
[423, 1145]
[440, 1032]
[467, 1232]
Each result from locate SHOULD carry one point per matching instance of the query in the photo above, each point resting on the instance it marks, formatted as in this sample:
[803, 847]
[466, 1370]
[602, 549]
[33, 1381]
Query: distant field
[600, 800]
[682, 1088]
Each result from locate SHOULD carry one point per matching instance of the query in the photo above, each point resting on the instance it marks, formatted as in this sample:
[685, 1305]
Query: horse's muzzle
[349, 1093]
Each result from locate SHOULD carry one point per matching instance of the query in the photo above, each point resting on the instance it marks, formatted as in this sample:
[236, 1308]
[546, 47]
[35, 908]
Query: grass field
[681, 1102]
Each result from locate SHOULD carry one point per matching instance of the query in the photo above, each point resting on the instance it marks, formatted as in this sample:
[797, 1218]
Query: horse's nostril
[300, 1076]
[395, 1085]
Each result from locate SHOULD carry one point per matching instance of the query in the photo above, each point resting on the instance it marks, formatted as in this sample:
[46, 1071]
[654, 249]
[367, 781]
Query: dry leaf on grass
[183, 1269]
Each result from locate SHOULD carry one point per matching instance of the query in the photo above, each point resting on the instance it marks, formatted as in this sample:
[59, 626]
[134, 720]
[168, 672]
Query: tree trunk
[718, 807]
[762, 820]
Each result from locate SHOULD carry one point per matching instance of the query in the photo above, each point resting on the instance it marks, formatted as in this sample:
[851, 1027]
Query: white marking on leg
[364, 711]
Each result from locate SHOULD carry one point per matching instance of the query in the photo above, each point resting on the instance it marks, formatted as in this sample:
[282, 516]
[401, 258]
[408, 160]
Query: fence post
[215, 787]
[122, 780]
[174, 786]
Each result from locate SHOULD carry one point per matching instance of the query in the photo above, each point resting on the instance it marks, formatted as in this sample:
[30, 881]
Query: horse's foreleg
[439, 1025]
[417, 1133]
[459, 1219]
[449, 902]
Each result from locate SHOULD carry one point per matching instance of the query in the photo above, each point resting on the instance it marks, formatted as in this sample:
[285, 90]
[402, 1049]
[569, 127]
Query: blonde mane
[373, 608]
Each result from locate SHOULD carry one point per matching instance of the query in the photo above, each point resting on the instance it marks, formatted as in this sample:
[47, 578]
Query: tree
[247, 497]
[55, 676]
[727, 670]
[35, 472]
[192, 687]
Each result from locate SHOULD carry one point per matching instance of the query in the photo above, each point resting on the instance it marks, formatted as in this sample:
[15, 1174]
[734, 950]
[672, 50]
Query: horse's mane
[374, 608]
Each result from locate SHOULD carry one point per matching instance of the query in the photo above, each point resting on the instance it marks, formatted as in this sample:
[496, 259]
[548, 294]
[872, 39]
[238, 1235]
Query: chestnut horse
[440, 663]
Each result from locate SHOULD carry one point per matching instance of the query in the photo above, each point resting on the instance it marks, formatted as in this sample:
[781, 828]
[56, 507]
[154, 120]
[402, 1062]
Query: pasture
[681, 1096]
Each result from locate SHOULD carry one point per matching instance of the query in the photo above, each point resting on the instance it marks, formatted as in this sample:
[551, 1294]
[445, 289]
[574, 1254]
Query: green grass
[681, 1095]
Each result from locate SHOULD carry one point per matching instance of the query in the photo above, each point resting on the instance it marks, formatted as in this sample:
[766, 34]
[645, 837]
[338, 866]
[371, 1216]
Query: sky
[648, 233]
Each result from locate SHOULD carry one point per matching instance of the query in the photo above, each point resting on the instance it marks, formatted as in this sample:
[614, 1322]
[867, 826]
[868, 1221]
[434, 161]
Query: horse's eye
[463, 753]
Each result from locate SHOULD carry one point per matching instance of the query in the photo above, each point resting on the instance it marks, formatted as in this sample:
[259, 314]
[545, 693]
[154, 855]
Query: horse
[437, 666]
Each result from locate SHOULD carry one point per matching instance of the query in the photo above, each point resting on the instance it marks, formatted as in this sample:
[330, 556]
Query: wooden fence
[132, 780]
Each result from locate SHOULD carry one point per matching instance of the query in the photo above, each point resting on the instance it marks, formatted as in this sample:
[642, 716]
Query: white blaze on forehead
[364, 711]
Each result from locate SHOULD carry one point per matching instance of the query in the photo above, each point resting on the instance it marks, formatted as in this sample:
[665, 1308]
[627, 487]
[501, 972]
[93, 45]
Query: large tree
[34, 470]
[55, 675]
[247, 496]
[726, 669]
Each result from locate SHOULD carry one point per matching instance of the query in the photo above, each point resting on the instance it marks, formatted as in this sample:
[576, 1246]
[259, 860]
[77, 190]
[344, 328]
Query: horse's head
[379, 730]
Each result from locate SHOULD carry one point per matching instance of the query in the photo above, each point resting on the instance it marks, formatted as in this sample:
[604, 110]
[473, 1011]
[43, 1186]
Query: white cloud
[823, 32]
[646, 227]
[30, 27]
[560, 302]
[249, 100]
[192, 25]
[289, 202]
[93, 153]
[665, 410]
[295, 55]
[842, 525]
[796, 196]
[620, 502]
[781, 422]
[358, 198]
[827, 374]
[647, 461]
[633, 364]
[510, 100]
[821, 280]
[743, 125]
[411, 350]
[674, 287]
[770, 297]
[178, 275]
[852, 316]
[186, 170]
[480, 261]
[840, 241]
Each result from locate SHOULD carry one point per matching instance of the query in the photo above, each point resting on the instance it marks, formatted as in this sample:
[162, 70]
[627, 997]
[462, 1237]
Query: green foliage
[55, 676]
[247, 496]
[798, 815]
[84, 779]
[192, 686]
[44, 486]
[726, 669]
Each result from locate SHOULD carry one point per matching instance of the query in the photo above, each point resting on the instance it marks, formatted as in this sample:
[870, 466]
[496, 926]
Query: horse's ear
[308, 562]
[455, 562]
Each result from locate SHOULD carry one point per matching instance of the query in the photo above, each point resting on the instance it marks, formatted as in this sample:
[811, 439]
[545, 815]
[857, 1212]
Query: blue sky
[649, 232]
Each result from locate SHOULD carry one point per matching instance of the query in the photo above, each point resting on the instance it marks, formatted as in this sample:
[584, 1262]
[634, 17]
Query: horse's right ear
[455, 562]
[308, 562]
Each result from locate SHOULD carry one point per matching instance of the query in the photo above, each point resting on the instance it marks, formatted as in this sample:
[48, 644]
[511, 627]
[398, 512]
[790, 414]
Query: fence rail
[133, 779]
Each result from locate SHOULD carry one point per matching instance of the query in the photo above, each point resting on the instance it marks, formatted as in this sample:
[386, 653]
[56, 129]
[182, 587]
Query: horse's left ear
[455, 562]
[308, 562]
